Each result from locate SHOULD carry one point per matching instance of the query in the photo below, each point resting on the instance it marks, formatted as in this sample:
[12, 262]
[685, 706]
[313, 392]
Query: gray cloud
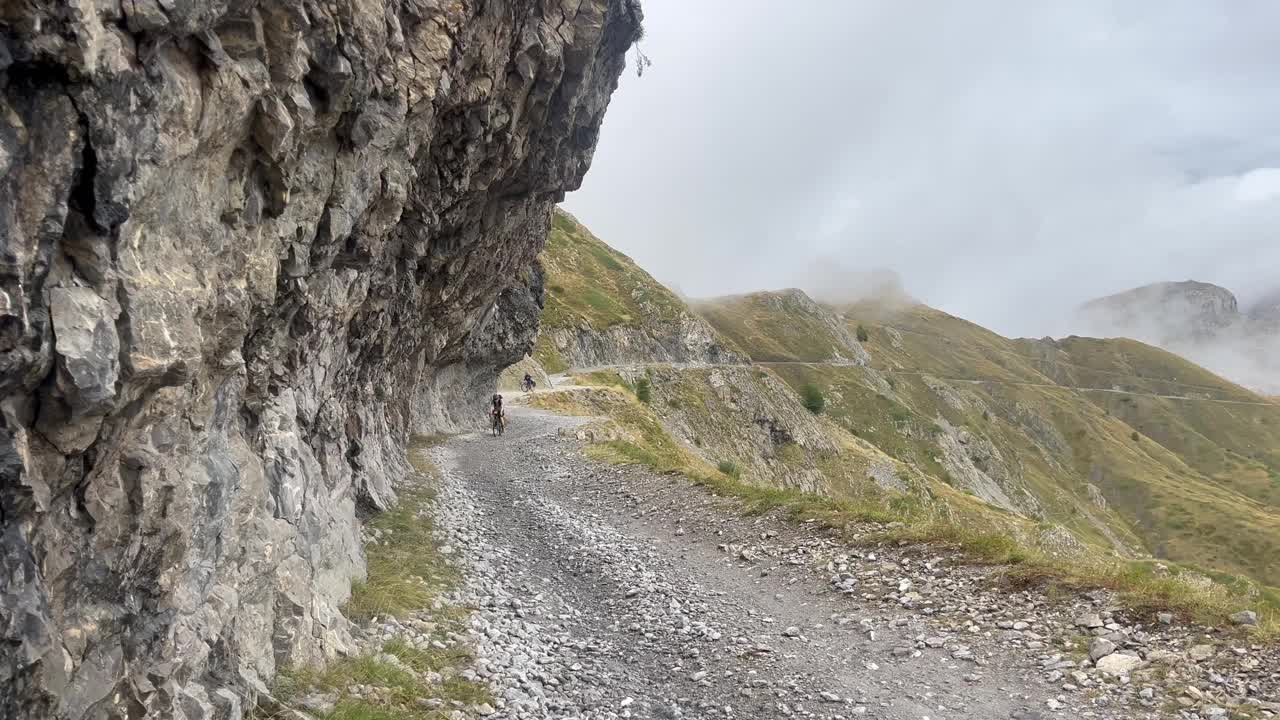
[1008, 159]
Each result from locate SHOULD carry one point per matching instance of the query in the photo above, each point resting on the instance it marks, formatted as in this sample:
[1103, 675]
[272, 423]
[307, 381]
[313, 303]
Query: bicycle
[499, 424]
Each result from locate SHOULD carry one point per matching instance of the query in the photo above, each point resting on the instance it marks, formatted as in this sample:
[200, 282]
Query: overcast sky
[1009, 159]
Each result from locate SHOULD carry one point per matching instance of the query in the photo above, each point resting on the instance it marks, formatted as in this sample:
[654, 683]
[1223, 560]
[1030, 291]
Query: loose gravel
[607, 592]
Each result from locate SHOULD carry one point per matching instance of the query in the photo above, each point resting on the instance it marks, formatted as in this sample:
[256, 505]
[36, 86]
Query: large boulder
[1119, 664]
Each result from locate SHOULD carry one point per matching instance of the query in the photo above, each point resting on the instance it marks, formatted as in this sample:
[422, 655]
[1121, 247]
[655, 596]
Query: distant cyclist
[528, 384]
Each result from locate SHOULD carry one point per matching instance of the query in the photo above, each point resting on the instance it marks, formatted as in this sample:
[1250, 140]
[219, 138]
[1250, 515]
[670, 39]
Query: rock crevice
[248, 247]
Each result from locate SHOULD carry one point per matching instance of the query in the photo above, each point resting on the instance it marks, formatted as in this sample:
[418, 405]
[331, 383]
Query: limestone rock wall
[248, 246]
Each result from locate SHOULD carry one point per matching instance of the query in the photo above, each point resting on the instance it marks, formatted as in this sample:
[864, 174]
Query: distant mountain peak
[1211, 297]
[829, 281]
[1202, 321]
[1165, 312]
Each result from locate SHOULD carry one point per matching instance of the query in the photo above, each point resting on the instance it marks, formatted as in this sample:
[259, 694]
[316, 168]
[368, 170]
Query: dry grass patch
[406, 573]
[400, 671]
[405, 569]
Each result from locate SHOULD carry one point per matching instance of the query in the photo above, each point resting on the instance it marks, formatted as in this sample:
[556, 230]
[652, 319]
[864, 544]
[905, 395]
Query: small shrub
[673, 403]
[893, 384]
[863, 335]
[730, 468]
[643, 390]
[1134, 436]
[986, 416]
[814, 402]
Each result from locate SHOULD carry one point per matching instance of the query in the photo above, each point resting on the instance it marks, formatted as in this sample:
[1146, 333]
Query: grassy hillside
[745, 425]
[601, 306]
[784, 326]
[675, 422]
[1074, 431]
[590, 283]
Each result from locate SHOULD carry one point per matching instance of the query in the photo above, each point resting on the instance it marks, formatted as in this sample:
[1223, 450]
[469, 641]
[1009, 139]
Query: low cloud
[1008, 160]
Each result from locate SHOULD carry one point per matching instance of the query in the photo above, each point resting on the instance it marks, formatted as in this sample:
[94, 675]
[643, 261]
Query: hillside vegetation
[602, 308]
[745, 428]
[785, 326]
[1126, 445]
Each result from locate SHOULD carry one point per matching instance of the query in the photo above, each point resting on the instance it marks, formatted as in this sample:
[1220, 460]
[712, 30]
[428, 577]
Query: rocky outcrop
[975, 464]
[512, 379]
[1164, 312]
[1200, 321]
[248, 247]
[794, 302]
[783, 326]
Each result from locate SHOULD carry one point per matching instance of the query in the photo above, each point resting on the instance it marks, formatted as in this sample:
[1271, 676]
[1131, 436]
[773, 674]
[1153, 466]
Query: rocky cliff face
[248, 247]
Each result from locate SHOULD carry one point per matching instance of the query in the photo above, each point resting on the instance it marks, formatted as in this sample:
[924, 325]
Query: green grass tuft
[643, 390]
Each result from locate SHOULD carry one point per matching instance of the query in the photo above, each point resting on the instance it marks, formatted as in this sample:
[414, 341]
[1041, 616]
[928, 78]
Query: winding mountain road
[966, 381]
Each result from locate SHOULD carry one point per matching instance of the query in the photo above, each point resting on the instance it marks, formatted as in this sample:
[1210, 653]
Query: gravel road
[606, 592]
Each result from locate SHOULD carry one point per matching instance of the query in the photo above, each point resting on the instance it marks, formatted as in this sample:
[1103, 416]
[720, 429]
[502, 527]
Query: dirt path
[609, 592]
[966, 381]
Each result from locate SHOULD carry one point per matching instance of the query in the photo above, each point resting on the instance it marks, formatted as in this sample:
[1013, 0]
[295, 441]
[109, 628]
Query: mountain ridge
[811, 331]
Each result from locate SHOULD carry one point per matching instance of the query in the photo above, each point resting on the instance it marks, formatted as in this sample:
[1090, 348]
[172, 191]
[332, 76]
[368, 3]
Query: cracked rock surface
[247, 247]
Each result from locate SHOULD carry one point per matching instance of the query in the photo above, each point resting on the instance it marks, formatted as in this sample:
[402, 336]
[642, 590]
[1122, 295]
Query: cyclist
[496, 414]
